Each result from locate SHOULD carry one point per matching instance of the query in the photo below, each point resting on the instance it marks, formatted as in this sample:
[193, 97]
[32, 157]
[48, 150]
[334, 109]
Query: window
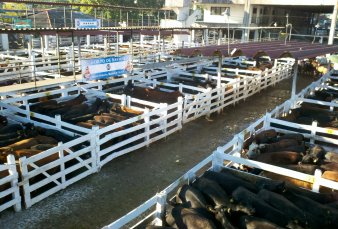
[218, 10]
[254, 11]
[265, 11]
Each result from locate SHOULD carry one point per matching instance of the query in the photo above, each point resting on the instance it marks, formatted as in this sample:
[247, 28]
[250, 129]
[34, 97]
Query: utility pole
[333, 24]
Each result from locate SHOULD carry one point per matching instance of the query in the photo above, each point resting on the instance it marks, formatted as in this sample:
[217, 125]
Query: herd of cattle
[26, 140]
[292, 152]
[233, 199]
[229, 199]
[85, 112]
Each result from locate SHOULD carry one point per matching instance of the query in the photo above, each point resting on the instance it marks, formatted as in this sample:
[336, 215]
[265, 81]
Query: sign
[87, 23]
[22, 23]
[106, 67]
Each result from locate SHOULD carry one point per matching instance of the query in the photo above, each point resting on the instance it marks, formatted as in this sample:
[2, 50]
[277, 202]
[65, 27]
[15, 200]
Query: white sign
[87, 23]
[106, 67]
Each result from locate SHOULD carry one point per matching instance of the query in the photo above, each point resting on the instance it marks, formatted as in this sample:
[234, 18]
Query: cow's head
[253, 151]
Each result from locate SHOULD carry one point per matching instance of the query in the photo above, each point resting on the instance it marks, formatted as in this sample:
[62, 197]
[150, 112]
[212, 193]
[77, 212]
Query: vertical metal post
[159, 45]
[108, 18]
[73, 57]
[219, 72]
[294, 81]
[228, 36]
[71, 17]
[117, 44]
[132, 44]
[158, 17]
[142, 19]
[34, 24]
[79, 49]
[58, 53]
[102, 18]
[64, 17]
[333, 24]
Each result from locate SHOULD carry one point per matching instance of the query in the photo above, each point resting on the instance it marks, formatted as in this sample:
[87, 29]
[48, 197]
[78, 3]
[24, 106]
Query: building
[304, 16]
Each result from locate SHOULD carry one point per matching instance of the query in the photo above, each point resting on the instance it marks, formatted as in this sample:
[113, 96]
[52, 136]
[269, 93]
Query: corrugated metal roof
[274, 49]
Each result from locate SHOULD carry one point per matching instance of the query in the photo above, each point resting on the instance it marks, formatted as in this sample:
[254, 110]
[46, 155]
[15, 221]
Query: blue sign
[106, 67]
[87, 23]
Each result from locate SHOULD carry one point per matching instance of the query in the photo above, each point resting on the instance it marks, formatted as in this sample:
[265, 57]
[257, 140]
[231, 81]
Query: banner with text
[105, 67]
[87, 23]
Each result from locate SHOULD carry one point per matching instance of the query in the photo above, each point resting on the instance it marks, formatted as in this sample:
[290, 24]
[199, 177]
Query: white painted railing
[214, 100]
[223, 157]
[134, 133]
[99, 146]
[9, 187]
[231, 153]
[52, 170]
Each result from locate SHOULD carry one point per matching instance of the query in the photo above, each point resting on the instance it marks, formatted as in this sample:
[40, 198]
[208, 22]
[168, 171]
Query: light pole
[227, 13]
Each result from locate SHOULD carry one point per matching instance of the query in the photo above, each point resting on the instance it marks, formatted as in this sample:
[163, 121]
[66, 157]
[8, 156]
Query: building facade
[305, 16]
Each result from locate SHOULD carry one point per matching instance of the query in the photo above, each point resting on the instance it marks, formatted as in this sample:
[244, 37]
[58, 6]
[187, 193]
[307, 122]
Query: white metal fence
[59, 167]
[153, 209]
[9, 189]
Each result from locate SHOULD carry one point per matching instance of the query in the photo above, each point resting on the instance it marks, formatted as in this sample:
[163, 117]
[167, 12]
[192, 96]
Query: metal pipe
[333, 24]
[64, 17]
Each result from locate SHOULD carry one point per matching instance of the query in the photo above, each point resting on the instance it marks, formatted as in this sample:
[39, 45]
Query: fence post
[260, 81]
[154, 83]
[236, 90]
[28, 112]
[147, 127]
[25, 181]
[62, 167]
[179, 112]
[266, 75]
[240, 142]
[313, 131]
[95, 148]
[245, 88]
[180, 87]
[217, 161]
[63, 93]
[14, 182]
[267, 119]
[128, 101]
[124, 100]
[223, 91]
[317, 177]
[208, 102]
[160, 207]
[58, 121]
[164, 115]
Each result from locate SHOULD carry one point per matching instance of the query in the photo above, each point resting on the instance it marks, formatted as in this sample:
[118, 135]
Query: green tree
[14, 10]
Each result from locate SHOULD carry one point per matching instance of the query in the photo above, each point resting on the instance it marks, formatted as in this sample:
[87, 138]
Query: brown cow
[332, 156]
[331, 175]
[279, 158]
[153, 95]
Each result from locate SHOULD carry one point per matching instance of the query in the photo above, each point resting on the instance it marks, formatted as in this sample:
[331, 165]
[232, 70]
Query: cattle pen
[230, 156]
[200, 88]
[156, 122]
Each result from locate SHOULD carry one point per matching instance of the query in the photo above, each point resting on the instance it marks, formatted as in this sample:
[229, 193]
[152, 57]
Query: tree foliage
[113, 13]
